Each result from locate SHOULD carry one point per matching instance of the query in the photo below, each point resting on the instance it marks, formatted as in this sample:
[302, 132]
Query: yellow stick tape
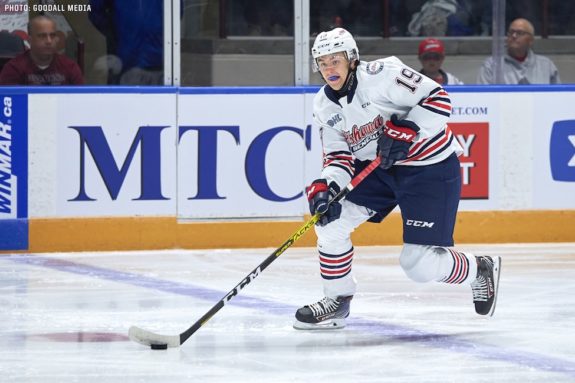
[144, 233]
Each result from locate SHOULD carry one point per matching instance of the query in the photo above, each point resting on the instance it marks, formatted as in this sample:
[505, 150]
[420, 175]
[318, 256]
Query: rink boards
[143, 168]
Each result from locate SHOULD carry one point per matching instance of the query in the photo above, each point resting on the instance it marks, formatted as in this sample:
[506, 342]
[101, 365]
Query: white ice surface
[64, 318]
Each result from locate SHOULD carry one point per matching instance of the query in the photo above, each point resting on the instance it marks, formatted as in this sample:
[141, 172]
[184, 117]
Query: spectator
[520, 64]
[134, 32]
[431, 20]
[10, 46]
[41, 64]
[431, 56]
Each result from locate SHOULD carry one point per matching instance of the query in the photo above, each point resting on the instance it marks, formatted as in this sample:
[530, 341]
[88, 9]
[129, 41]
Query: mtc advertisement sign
[103, 155]
[209, 154]
[227, 156]
[13, 172]
[244, 155]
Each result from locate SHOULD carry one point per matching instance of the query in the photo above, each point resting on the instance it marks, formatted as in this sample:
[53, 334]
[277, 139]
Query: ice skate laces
[324, 306]
[479, 288]
[482, 287]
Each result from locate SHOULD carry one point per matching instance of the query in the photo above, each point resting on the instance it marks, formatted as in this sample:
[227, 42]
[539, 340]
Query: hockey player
[384, 108]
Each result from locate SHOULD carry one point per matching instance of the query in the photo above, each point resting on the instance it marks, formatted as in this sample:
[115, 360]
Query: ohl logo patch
[562, 151]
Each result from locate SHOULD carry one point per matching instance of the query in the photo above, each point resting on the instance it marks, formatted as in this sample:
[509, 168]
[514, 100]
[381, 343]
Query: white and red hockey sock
[335, 266]
[463, 270]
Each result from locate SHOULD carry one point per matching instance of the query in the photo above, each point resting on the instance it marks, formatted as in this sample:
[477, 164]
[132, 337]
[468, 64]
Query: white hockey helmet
[334, 41]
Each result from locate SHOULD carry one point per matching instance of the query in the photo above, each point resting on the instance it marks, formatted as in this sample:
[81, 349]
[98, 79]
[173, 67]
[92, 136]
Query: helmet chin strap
[349, 80]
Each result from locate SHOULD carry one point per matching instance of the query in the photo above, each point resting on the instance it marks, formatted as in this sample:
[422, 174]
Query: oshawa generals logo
[360, 136]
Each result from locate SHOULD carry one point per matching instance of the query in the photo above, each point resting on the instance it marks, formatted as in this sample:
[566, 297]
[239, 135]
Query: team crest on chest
[374, 67]
[361, 135]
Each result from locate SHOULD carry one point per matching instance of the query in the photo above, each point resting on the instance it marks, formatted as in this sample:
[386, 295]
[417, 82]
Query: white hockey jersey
[350, 126]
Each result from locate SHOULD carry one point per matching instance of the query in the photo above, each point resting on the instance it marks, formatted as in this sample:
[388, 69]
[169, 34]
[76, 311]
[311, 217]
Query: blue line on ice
[396, 332]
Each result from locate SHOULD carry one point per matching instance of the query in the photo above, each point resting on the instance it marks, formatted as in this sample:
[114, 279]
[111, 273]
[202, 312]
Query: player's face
[334, 69]
[43, 38]
[431, 62]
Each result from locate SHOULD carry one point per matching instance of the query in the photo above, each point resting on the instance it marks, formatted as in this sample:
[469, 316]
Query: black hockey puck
[159, 346]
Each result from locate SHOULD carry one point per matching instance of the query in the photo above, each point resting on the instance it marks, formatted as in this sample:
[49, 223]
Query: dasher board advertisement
[13, 172]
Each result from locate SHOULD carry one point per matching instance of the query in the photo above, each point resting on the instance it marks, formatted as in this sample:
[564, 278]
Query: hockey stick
[162, 342]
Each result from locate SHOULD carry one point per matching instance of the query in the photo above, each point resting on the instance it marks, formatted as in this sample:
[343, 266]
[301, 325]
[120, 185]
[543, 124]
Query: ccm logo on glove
[401, 133]
[393, 145]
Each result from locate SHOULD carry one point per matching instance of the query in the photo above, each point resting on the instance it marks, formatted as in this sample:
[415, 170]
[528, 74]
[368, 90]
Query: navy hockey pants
[428, 197]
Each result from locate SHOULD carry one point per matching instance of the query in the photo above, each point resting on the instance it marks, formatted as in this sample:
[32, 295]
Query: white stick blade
[148, 338]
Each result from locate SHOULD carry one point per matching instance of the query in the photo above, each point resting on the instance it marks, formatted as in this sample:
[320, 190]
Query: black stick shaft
[279, 251]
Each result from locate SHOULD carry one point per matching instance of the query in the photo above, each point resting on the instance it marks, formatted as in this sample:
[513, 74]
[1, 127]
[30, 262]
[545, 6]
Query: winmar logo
[360, 136]
[7, 180]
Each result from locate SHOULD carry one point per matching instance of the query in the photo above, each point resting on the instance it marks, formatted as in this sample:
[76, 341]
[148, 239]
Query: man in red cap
[431, 56]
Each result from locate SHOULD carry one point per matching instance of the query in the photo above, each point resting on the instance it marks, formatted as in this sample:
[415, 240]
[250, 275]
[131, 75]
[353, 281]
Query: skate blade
[332, 324]
[496, 274]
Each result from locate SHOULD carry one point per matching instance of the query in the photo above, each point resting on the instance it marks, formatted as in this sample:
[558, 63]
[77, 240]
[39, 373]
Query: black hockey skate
[326, 314]
[486, 286]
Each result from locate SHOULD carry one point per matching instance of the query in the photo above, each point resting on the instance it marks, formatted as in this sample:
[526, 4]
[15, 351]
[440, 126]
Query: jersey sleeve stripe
[422, 145]
[438, 111]
[341, 153]
[431, 150]
[438, 105]
[438, 101]
[439, 146]
[341, 159]
[331, 161]
[415, 147]
[439, 150]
